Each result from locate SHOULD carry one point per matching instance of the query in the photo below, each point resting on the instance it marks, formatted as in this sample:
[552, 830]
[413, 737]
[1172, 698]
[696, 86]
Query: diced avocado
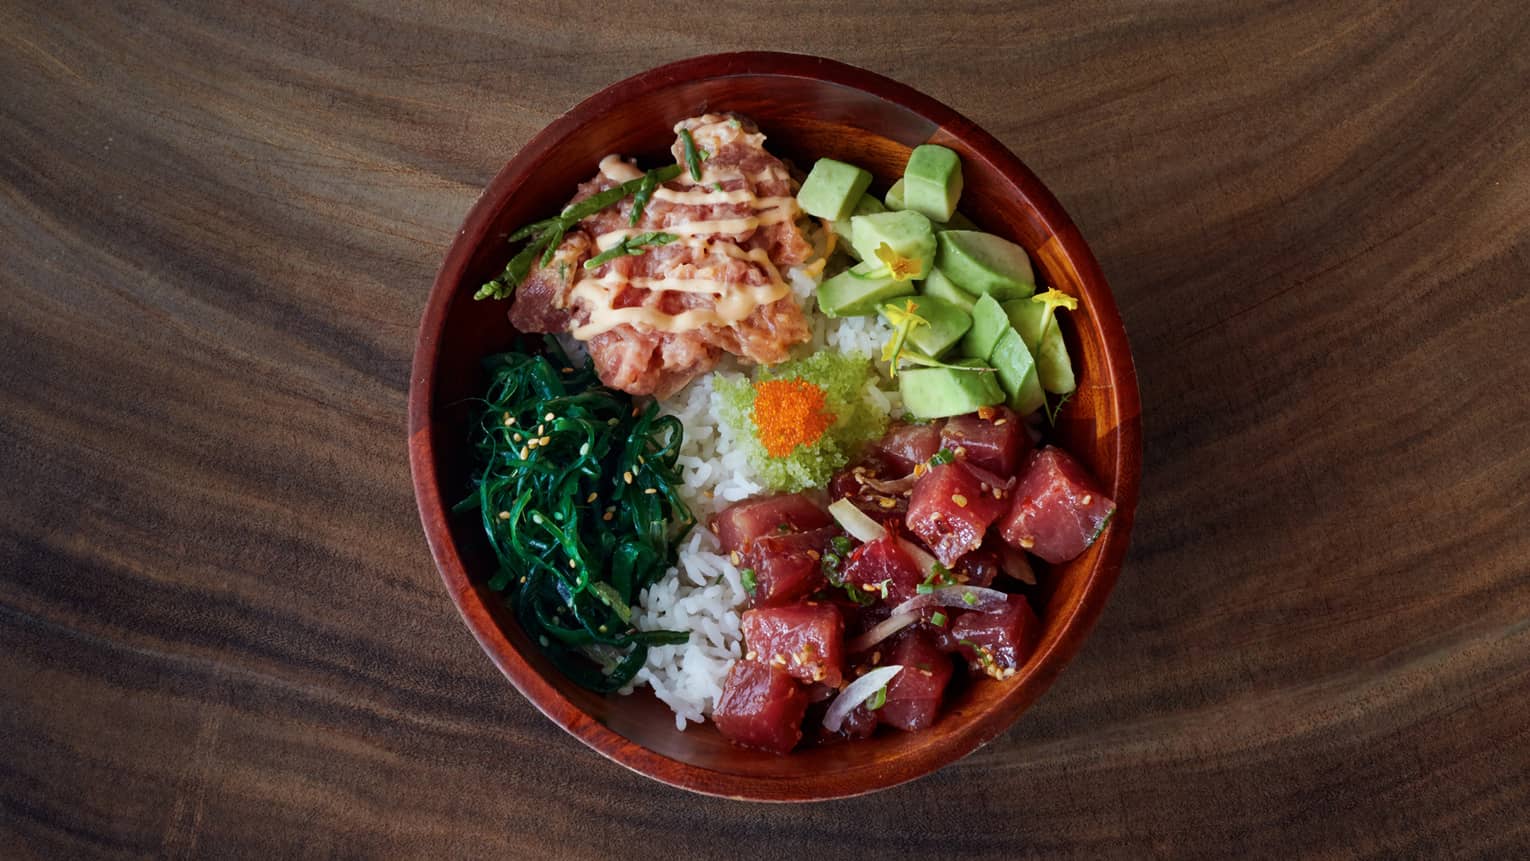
[867, 206]
[1017, 373]
[832, 189]
[938, 286]
[988, 322]
[932, 182]
[894, 198]
[946, 325]
[957, 221]
[984, 263]
[858, 291]
[1053, 366]
[930, 393]
[908, 234]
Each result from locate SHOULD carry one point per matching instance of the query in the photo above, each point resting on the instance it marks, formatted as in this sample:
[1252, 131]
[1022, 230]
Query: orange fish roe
[789, 413]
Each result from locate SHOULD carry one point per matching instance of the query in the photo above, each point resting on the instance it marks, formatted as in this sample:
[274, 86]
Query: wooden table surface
[222, 633]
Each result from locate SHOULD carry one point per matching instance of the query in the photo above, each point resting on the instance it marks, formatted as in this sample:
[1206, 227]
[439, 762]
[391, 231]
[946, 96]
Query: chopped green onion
[841, 544]
[640, 199]
[969, 599]
[746, 577]
[942, 457]
[924, 588]
[878, 699]
[692, 158]
[938, 619]
[631, 246]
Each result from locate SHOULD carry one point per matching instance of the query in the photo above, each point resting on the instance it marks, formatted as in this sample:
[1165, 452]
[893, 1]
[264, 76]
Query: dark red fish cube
[1056, 509]
[743, 522]
[951, 509]
[914, 695]
[882, 566]
[906, 445]
[761, 707]
[997, 643]
[807, 640]
[994, 439]
[785, 567]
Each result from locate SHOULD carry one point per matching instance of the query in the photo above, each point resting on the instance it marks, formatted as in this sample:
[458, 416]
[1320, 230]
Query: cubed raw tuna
[785, 567]
[952, 507]
[906, 445]
[761, 707]
[807, 640]
[997, 643]
[914, 695]
[994, 439]
[978, 568]
[883, 561]
[739, 524]
[1057, 510]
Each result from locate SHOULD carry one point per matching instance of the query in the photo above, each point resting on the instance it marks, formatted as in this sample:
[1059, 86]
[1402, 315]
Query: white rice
[702, 594]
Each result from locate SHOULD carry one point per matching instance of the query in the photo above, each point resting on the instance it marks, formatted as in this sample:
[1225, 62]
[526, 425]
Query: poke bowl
[809, 112]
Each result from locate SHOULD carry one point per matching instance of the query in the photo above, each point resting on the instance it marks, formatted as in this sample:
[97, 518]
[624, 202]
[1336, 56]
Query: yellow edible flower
[899, 268]
[903, 321]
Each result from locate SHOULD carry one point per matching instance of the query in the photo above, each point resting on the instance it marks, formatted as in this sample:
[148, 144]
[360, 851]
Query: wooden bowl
[809, 107]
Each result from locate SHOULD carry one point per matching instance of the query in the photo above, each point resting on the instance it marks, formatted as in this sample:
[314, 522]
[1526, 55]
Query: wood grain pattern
[220, 626]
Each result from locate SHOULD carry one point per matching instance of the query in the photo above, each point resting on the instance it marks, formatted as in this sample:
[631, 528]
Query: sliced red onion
[856, 693]
[854, 521]
[924, 561]
[963, 597]
[1014, 563]
[884, 629]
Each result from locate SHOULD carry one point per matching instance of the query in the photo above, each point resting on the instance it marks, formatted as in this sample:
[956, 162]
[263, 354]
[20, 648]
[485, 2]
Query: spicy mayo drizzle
[710, 240]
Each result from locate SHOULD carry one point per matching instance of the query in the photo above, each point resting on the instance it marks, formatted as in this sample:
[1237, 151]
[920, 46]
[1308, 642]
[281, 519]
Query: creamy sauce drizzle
[708, 239]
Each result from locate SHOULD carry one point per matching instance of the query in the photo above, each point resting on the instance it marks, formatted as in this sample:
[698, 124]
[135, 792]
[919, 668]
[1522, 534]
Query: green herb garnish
[640, 198]
[546, 235]
[938, 619]
[570, 569]
[924, 588]
[877, 699]
[969, 599]
[746, 577]
[942, 457]
[1054, 410]
[692, 158]
[841, 544]
[631, 246]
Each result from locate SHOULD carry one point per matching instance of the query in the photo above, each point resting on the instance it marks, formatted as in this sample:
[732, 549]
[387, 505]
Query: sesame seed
[997, 493]
[613, 422]
[573, 563]
[650, 490]
[1027, 542]
[523, 452]
[592, 497]
[547, 418]
[641, 461]
[601, 629]
[1088, 498]
[961, 451]
[813, 555]
[568, 370]
[608, 515]
[516, 437]
[627, 476]
[523, 579]
[999, 422]
[533, 443]
[504, 515]
[886, 502]
[584, 449]
[735, 558]
[961, 501]
[545, 440]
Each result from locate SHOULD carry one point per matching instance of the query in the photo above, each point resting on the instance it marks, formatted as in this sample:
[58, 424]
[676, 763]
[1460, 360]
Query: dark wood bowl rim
[874, 776]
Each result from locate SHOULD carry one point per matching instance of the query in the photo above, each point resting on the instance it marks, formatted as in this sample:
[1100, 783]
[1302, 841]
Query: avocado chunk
[832, 189]
[867, 206]
[930, 393]
[957, 221]
[932, 182]
[894, 198]
[988, 323]
[984, 263]
[1017, 373]
[946, 324]
[859, 290]
[938, 286]
[1053, 366]
[908, 234]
